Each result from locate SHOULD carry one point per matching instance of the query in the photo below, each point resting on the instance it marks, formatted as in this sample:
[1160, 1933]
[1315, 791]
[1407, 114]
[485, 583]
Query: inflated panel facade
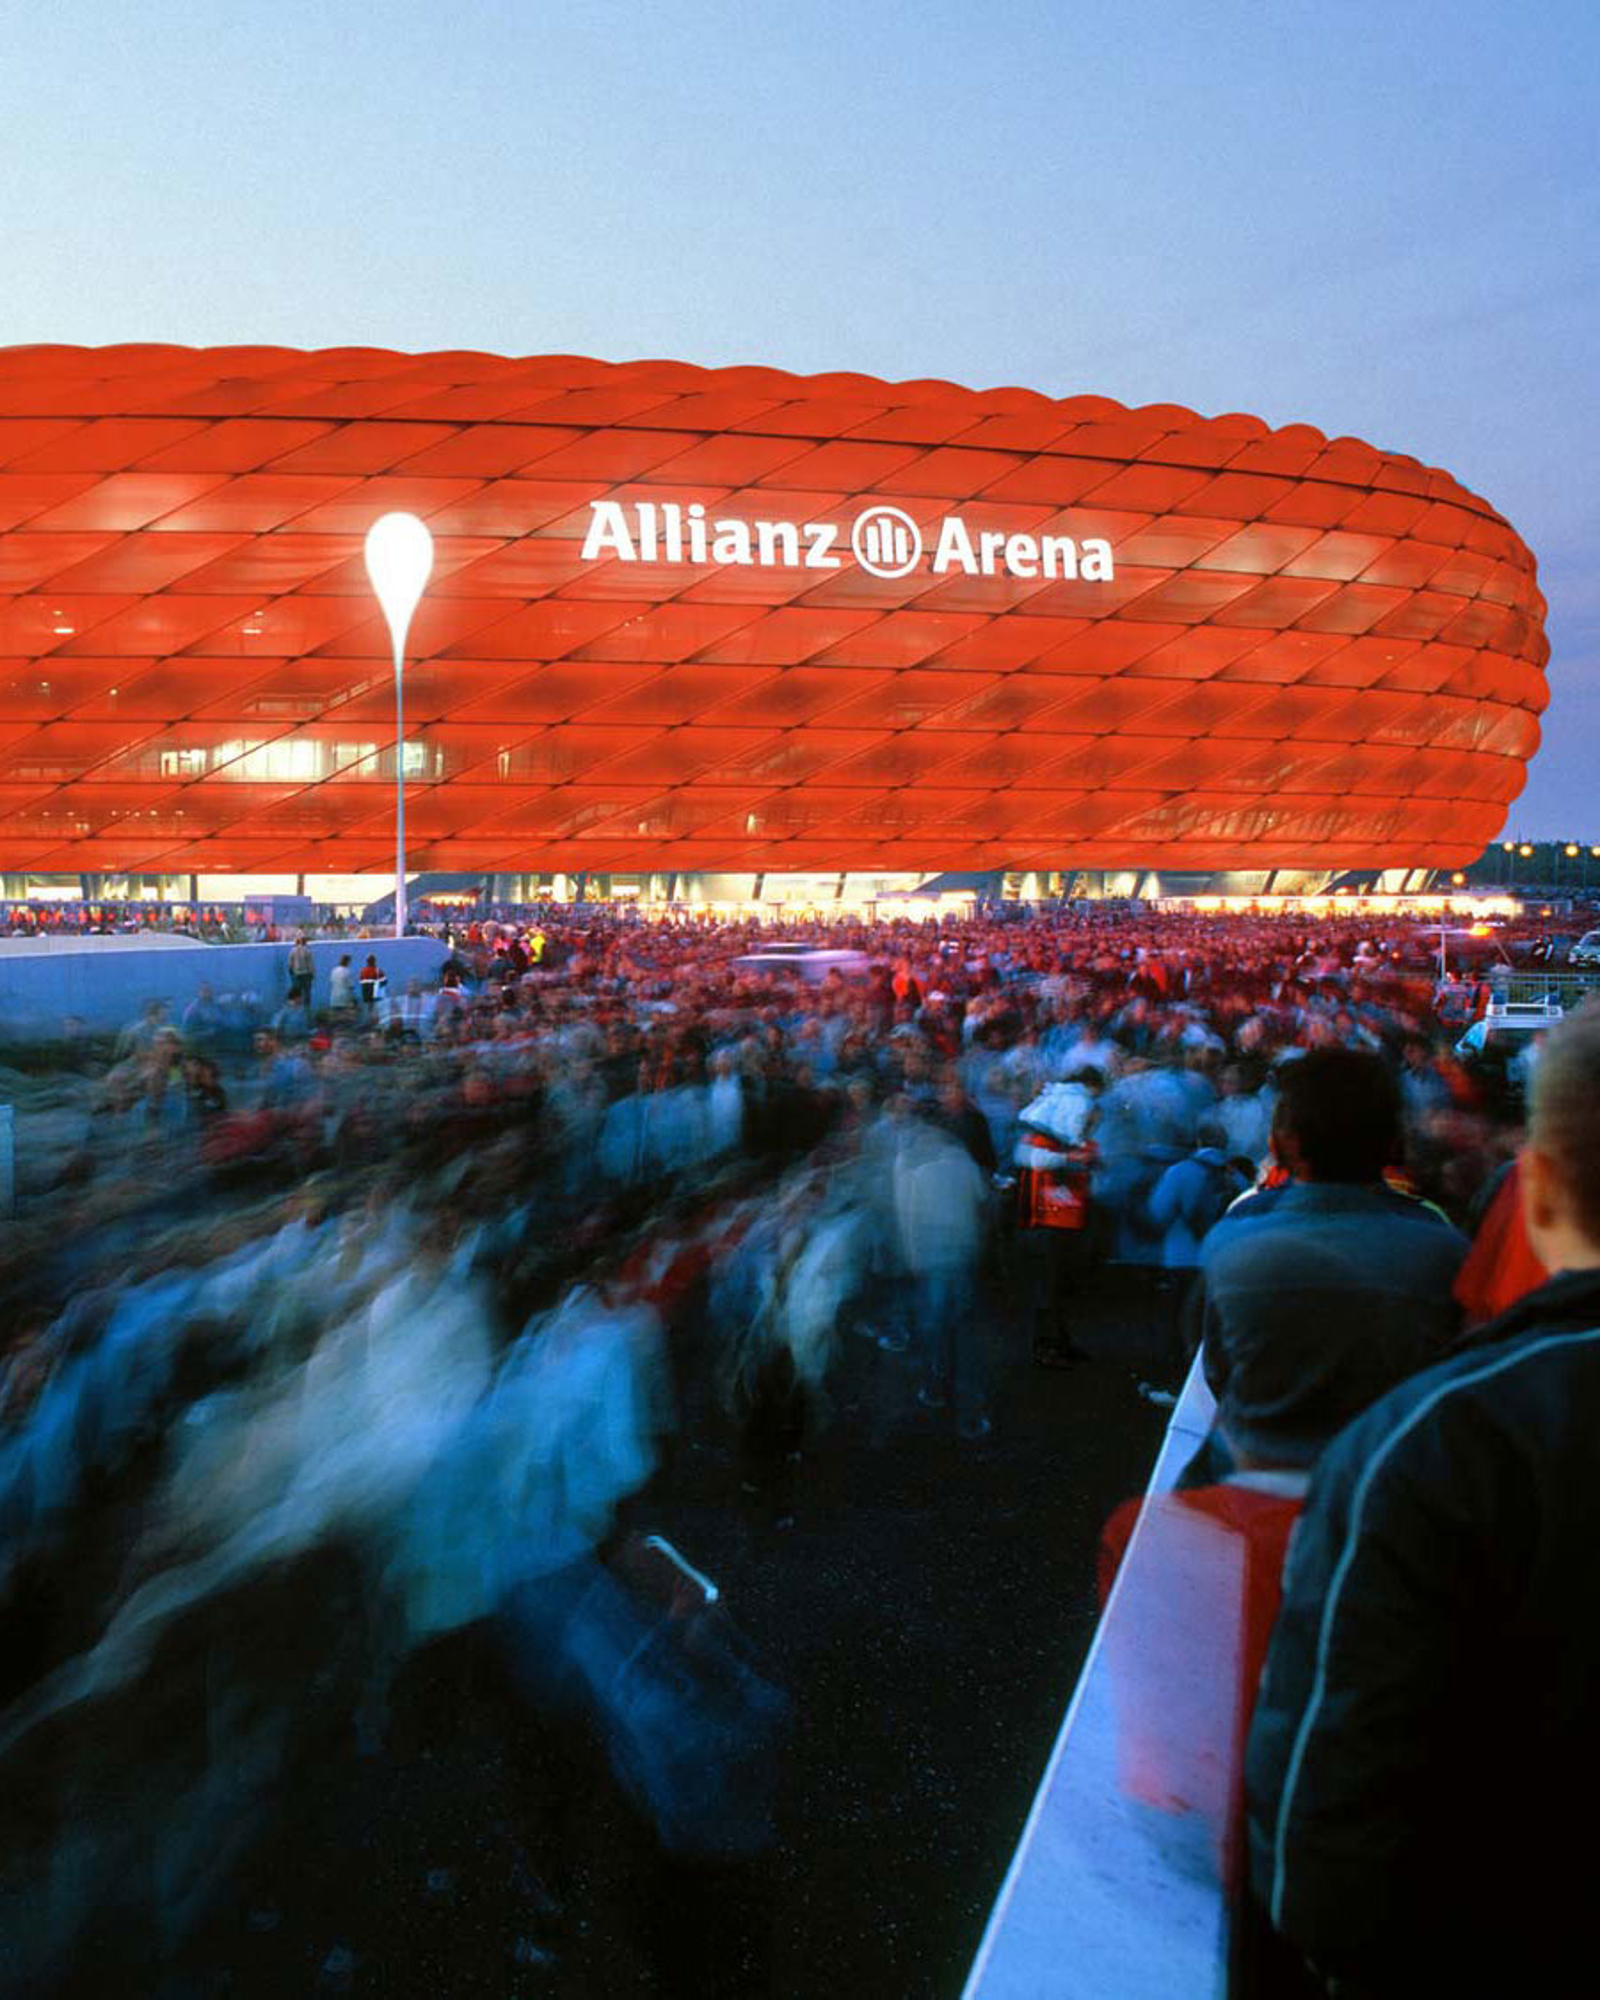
[731, 618]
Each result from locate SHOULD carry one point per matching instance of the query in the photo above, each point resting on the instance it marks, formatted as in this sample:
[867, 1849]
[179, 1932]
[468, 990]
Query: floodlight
[399, 553]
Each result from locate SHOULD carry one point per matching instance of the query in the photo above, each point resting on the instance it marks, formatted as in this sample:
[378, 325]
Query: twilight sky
[1381, 220]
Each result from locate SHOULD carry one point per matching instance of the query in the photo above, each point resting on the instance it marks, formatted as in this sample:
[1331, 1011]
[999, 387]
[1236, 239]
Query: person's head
[1561, 1160]
[1338, 1117]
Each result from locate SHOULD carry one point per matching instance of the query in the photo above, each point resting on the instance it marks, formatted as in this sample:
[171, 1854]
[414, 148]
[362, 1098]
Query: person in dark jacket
[1315, 1298]
[1194, 1194]
[965, 1123]
[1425, 1750]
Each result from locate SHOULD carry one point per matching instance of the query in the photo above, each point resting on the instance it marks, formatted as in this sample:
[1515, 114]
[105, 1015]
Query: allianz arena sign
[885, 541]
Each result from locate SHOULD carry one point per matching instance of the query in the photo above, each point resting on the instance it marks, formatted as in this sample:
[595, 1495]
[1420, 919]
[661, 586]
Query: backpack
[1222, 1187]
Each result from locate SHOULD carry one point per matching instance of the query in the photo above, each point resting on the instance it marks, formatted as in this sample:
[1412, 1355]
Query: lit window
[295, 761]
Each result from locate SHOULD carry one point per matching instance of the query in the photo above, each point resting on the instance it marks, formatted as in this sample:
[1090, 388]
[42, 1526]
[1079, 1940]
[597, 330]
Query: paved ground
[928, 1610]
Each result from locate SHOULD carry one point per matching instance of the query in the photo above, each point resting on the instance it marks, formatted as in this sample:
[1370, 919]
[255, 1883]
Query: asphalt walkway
[927, 1610]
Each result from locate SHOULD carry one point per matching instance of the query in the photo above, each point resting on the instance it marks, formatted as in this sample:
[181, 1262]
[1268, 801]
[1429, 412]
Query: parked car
[1507, 1030]
[1498, 1048]
[1586, 952]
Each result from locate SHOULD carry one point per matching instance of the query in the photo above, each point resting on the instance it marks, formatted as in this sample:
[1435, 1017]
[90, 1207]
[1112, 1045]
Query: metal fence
[1559, 987]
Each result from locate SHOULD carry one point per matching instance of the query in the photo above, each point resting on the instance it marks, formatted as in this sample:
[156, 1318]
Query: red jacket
[1500, 1267]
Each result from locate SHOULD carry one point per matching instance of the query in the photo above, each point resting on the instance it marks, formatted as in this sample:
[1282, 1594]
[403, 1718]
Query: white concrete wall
[1116, 1889]
[101, 987]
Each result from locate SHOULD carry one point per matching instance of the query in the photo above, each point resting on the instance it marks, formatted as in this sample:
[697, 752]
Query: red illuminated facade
[1178, 642]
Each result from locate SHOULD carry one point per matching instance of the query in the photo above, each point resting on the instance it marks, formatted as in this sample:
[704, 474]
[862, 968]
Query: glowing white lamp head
[399, 555]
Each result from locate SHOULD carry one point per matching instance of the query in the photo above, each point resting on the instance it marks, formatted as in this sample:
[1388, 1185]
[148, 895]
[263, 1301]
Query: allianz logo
[884, 541]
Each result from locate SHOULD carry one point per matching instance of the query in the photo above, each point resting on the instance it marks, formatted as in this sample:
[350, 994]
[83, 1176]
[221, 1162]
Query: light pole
[399, 552]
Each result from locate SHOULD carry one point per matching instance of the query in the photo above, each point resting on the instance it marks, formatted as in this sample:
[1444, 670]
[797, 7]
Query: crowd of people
[125, 917]
[209, 923]
[387, 1309]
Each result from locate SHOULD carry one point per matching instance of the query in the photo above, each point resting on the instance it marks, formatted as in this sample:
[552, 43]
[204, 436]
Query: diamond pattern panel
[1309, 653]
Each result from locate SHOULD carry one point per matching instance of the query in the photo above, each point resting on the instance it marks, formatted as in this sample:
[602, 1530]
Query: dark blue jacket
[1423, 1760]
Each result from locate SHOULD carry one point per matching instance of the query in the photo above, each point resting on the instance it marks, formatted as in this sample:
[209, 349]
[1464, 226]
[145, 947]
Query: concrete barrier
[94, 984]
[1117, 1886]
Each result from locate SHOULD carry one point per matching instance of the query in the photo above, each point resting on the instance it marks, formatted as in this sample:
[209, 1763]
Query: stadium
[686, 620]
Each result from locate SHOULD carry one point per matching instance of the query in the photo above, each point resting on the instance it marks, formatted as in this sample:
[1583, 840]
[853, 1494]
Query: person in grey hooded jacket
[1317, 1296]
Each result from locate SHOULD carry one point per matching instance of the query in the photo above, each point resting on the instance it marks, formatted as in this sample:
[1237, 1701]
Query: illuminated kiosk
[689, 620]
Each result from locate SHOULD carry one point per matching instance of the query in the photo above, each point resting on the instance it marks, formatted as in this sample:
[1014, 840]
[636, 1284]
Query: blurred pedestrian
[342, 986]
